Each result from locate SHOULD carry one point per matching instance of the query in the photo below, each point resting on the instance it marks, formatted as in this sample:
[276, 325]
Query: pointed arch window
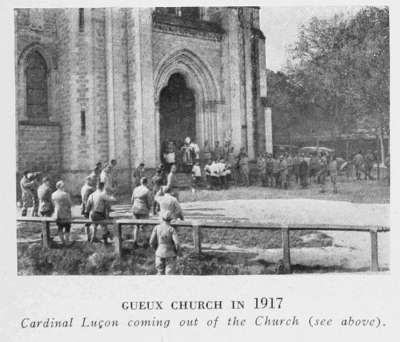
[36, 75]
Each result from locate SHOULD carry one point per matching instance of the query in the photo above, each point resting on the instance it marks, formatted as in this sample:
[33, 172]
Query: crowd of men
[98, 193]
[160, 195]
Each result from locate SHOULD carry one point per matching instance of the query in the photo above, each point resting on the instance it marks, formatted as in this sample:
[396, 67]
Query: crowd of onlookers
[159, 195]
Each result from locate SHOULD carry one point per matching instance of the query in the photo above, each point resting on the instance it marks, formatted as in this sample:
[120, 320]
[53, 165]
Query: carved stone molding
[179, 26]
[186, 32]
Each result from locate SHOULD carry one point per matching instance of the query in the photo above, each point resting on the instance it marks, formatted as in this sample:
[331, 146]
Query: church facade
[116, 83]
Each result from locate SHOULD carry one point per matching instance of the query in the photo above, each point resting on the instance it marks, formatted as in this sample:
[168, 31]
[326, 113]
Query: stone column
[231, 68]
[268, 129]
[110, 82]
[248, 93]
[142, 87]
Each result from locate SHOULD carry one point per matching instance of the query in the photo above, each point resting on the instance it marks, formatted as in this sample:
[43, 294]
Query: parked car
[315, 149]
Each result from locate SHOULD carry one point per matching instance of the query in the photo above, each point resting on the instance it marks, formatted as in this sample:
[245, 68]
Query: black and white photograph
[202, 141]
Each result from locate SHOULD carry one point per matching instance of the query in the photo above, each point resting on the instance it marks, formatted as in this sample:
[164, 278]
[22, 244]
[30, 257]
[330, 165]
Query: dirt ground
[236, 251]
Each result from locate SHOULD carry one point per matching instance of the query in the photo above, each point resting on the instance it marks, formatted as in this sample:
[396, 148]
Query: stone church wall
[39, 148]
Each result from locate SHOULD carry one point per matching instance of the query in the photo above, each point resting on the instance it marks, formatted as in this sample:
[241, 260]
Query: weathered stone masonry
[105, 70]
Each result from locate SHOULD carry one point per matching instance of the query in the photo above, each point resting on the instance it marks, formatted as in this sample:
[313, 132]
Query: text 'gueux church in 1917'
[115, 83]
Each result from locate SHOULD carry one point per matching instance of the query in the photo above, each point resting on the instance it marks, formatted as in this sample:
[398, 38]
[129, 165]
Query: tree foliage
[340, 70]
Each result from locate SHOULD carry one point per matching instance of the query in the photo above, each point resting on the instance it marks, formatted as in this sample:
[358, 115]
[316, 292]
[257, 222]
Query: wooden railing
[197, 226]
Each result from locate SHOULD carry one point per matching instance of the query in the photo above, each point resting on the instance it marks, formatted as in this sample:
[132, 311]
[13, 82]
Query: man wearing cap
[95, 174]
[359, 164]
[86, 190]
[333, 172]
[98, 209]
[62, 211]
[169, 203]
[27, 185]
[283, 170]
[142, 201]
[172, 182]
[244, 167]
[158, 181]
[164, 240]
[303, 171]
[138, 174]
[106, 178]
[44, 196]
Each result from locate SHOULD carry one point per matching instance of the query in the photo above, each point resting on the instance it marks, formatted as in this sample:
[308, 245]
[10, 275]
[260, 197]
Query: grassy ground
[84, 258]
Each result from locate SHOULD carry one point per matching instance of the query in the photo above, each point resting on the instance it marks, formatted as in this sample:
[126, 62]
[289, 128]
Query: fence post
[374, 249]
[286, 249]
[118, 239]
[46, 240]
[197, 237]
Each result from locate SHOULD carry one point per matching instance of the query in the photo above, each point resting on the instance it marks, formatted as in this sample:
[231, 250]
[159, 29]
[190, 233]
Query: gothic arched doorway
[177, 112]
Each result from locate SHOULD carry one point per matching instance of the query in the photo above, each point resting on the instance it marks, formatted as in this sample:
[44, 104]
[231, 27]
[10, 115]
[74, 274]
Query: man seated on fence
[169, 203]
[98, 209]
[87, 189]
[142, 202]
[62, 212]
[164, 240]
[44, 196]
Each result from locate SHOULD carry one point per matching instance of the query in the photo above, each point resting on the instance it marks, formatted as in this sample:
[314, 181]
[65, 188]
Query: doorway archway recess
[198, 78]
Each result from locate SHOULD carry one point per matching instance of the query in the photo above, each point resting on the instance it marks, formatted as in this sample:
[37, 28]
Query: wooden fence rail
[197, 227]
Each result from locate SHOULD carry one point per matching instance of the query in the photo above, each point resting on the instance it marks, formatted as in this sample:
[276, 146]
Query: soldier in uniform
[261, 168]
[323, 162]
[283, 172]
[164, 240]
[218, 151]
[232, 162]
[172, 182]
[44, 196]
[62, 212]
[333, 172]
[86, 190]
[95, 174]
[303, 171]
[387, 163]
[358, 164]
[138, 174]
[28, 190]
[269, 164]
[207, 172]
[168, 202]
[196, 176]
[289, 161]
[276, 173]
[244, 167]
[296, 170]
[106, 179]
[158, 181]
[206, 153]
[98, 209]
[314, 166]
[142, 202]
[369, 164]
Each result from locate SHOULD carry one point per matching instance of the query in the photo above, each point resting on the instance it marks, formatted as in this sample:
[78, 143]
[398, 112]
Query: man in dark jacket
[303, 171]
